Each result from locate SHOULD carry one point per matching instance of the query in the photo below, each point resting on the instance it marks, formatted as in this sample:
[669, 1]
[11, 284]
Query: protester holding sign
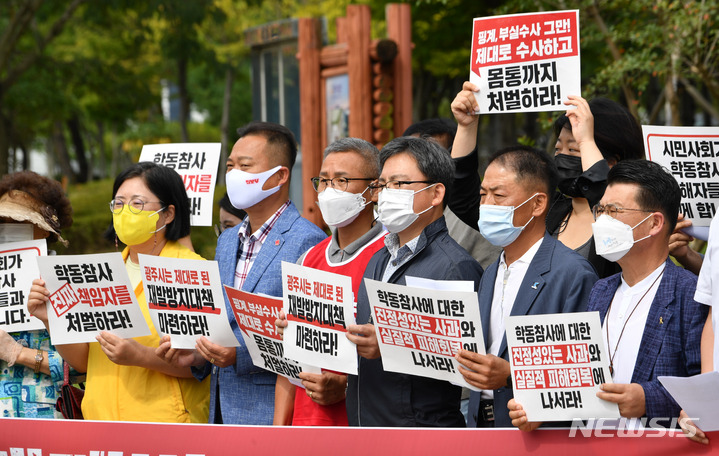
[31, 370]
[415, 177]
[651, 323]
[591, 138]
[535, 274]
[348, 168]
[125, 380]
[250, 256]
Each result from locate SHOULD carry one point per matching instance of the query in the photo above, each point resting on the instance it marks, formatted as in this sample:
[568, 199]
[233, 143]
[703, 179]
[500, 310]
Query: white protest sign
[420, 330]
[319, 305]
[186, 301]
[525, 62]
[197, 164]
[90, 294]
[255, 315]
[690, 154]
[558, 362]
[18, 268]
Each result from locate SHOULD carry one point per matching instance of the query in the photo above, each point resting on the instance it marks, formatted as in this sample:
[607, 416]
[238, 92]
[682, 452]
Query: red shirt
[307, 412]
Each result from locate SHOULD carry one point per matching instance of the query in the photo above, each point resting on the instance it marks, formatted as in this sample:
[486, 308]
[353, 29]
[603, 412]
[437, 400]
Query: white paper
[690, 154]
[197, 164]
[525, 62]
[186, 301]
[90, 294]
[255, 315]
[698, 396]
[558, 362]
[441, 285]
[420, 330]
[319, 306]
[18, 268]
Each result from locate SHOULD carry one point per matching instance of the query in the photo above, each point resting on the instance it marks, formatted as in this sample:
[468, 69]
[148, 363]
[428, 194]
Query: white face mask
[14, 232]
[340, 208]
[396, 208]
[612, 238]
[245, 189]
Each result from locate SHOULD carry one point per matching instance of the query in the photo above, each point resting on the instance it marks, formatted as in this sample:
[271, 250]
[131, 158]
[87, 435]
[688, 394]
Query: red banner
[30, 437]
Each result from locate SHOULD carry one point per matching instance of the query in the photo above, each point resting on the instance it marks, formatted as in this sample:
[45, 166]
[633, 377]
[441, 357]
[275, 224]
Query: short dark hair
[432, 128]
[367, 150]
[279, 138]
[529, 164]
[167, 185]
[616, 132]
[432, 160]
[227, 205]
[658, 190]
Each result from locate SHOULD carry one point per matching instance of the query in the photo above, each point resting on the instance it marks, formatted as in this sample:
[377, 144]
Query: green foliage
[157, 131]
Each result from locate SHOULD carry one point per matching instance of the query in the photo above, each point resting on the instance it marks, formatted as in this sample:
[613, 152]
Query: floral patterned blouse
[25, 394]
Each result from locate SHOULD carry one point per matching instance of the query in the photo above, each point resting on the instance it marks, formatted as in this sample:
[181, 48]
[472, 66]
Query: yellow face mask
[135, 229]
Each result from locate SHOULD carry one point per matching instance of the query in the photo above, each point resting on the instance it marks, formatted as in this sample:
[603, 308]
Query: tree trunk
[671, 106]
[73, 125]
[225, 123]
[184, 97]
[101, 155]
[4, 144]
[59, 149]
[25, 156]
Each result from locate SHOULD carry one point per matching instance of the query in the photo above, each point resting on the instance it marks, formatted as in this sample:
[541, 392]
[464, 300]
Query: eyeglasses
[394, 185]
[338, 183]
[611, 210]
[136, 206]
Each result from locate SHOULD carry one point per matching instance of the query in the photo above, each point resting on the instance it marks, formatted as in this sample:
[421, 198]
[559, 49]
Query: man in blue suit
[535, 274]
[652, 325]
[249, 256]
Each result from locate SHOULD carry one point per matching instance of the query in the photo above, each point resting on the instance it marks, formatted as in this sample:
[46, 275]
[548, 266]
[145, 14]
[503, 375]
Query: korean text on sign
[420, 330]
[90, 294]
[558, 362]
[197, 164]
[319, 305]
[185, 300]
[18, 268]
[525, 62]
[691, 155]
[255, 316]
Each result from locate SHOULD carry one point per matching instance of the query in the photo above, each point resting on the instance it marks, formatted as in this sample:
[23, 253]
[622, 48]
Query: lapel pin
[277, 242]
[535, 285]
[661, 320]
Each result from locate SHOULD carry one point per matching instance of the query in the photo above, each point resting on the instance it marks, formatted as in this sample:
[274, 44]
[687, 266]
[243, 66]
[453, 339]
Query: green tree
[28, 27]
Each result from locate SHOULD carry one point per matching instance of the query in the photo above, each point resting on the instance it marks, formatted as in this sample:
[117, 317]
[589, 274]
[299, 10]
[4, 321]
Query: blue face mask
[496, 223]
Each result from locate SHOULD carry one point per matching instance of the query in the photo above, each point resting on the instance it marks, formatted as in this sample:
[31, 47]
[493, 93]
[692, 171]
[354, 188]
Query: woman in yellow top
[125, 380]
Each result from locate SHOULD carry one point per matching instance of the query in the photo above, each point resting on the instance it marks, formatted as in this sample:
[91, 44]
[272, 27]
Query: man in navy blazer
[249, 257]
[651, 324]
[535, 274]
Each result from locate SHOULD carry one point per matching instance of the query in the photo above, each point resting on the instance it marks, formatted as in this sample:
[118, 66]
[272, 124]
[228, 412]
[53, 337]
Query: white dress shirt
[623, 352]
[506, 285]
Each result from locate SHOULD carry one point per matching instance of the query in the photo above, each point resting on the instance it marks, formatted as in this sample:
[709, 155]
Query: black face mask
[569, 168]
